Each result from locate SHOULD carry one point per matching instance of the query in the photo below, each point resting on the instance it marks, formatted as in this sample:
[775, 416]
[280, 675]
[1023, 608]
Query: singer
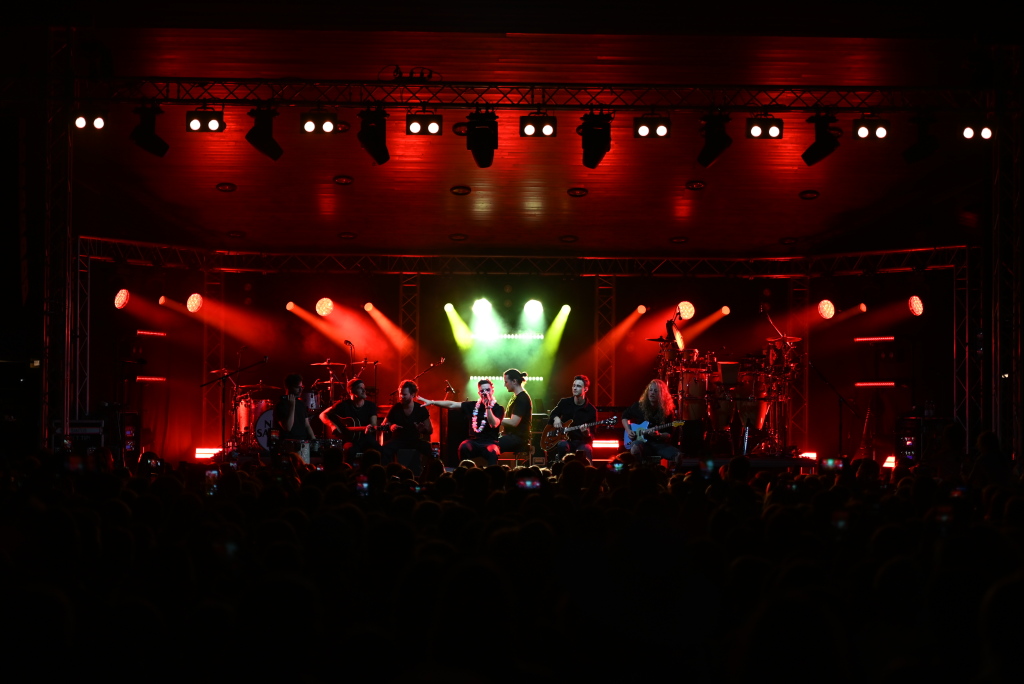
[485, 419]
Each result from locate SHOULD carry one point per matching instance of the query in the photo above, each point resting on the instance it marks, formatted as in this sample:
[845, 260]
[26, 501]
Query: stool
[517, 456]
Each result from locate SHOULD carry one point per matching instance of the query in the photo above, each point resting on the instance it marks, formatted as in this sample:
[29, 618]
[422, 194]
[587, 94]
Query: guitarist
[357, 412]
[654, 407]
[578, 410]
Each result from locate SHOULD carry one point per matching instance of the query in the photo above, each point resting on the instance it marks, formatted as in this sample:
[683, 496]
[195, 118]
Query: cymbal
[785, 338]
[658, 339]
[259, 386]
[365, 363]
[332, 364]
[220, 370]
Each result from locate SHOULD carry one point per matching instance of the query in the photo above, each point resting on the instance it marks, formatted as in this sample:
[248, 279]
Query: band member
[290, 413]
[408, 422]
[515, 426]
[656, 407]
[352, 420]
[577, 409]
[485, 420]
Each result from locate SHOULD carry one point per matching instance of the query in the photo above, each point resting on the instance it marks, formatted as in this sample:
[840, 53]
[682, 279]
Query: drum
[752, 412]
[302, 447]
[730, 373]
[243, 417]
[312, 400]
[691, 387]
[690, 359]
[265, 431]
[753, 385]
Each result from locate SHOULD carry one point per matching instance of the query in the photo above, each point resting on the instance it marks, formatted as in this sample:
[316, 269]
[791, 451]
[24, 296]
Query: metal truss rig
[532, 96]
[894, 261]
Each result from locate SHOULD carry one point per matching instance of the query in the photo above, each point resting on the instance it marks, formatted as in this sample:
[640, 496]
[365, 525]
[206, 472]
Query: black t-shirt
[567, 410]
[396, 416]
[298, 430]
[488, 434]
[346, 408]
[520, 405]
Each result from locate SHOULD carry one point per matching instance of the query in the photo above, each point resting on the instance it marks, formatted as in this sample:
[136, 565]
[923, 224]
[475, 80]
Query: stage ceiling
[637, 200]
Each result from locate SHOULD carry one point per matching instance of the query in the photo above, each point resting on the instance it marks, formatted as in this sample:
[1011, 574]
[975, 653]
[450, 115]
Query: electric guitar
[553, 435]
[641, 431]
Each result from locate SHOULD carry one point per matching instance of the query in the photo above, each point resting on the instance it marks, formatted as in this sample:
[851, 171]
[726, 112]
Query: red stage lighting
[121, 299]
[686, 310]
[194, 302]
[641, 309]
[916, 305]
[826, 309]
[863, 307]
[726, 311]
[324, 306]
[162, 300]
[368, 306]
[289, 306]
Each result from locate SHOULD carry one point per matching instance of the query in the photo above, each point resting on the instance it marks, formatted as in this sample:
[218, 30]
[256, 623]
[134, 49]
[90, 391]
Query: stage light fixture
[726, 311]
[870, 128]
[373, 134]
[926, 143]
[481, 306]
[320, 121]
[324, 306]
[423, 123]
[826, 309]
[915, 305]
[261, 135]
[825, 142]
[206, 119]
[121, 298]
[533, 308]
[538, 126]
[652, 126]
[765, 128]
[978, 131]
[596, 131]
[641, 309]
[144, 134]
[368, 306]
[482, 137]
[89, 120]
[686, 310]
[194, 302]
[716, 140]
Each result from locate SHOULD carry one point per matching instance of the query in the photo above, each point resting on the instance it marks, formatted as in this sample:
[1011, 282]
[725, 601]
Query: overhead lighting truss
[675, 98]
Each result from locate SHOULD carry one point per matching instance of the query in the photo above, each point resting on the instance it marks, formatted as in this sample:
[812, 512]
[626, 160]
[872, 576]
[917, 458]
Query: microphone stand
[223, 399]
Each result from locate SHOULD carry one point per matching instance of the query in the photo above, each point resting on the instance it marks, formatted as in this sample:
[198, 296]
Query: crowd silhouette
[620, 571]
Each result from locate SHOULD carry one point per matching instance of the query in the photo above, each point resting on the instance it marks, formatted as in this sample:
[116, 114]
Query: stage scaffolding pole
[603, 388]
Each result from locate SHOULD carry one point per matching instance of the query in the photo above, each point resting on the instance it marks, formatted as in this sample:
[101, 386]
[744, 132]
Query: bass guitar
[553, 435]
[642, 429]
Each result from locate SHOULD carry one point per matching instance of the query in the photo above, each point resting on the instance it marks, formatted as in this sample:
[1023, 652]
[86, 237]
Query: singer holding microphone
[484, 422]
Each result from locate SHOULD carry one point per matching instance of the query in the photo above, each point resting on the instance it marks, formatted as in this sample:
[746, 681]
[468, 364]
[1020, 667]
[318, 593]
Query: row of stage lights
[686, 310]
[481, 131]
[827, 309]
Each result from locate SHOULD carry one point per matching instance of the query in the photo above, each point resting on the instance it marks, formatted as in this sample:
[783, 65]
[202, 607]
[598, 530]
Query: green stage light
[481, 306]
[533, 308]
[460, 331]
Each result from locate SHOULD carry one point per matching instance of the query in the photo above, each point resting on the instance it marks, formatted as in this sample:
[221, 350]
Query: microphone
[448, 387]
[349, 343]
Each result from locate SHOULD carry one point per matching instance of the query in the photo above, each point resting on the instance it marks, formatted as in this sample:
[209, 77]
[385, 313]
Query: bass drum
[691, 387]
[263, 428]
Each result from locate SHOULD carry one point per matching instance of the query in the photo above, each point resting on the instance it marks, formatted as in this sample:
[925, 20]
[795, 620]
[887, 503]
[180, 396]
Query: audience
[614, 572]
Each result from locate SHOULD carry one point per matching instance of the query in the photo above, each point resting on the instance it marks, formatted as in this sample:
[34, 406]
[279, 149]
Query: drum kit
[252, 406]
[744, 403]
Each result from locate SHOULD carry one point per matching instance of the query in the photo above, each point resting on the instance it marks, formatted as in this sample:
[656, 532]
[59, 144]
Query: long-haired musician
[654, 407]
